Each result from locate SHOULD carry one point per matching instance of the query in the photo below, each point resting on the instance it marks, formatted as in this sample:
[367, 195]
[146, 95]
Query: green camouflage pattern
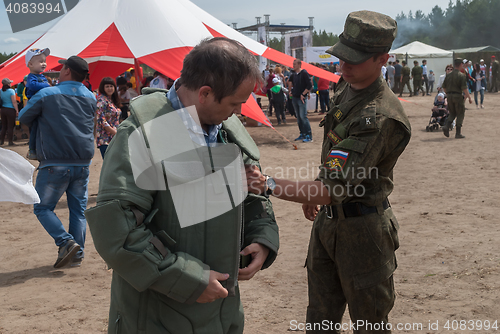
[351, 260]
[454, 84]
[366, 33]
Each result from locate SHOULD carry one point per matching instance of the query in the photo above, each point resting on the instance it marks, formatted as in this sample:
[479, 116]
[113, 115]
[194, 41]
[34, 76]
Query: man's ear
[204, 94]
[383, 59]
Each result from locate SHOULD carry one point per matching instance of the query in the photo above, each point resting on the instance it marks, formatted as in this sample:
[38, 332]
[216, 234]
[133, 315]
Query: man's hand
[259, 255]
[256, 181]
[310, 211]
[214, 290]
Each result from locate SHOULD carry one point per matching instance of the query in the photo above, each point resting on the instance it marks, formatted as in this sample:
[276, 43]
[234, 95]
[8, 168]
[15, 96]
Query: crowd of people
[289, 89]
[195, 270]
[70, 117]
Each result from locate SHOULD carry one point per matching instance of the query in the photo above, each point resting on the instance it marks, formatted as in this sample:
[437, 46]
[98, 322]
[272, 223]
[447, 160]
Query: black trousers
[8, 116]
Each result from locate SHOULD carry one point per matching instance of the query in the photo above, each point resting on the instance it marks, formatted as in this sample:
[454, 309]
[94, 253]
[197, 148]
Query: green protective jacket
[159, 268]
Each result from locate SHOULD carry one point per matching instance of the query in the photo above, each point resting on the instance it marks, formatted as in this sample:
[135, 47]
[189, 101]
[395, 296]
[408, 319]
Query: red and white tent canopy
[124, 33]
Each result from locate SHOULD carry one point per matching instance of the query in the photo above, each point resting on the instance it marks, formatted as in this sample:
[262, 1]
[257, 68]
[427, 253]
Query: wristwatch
[271, 185]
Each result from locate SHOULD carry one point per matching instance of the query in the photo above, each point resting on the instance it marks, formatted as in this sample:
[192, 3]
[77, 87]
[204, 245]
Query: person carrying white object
[16, 179]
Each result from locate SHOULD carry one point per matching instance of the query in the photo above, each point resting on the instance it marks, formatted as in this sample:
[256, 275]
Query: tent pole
[138, 76]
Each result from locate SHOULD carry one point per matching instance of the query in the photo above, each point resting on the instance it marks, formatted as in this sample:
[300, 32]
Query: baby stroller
[438, 119]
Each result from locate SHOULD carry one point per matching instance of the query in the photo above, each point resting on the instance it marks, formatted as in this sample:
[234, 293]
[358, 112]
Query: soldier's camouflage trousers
[417, 85]
[351, 262]
[406, 81]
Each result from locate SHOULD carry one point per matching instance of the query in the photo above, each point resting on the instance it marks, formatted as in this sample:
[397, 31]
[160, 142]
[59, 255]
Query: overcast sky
[328, 15]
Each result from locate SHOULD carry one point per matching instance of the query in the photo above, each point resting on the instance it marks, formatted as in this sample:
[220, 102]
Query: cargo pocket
[394, 232]
[375, 277]
[173, 321]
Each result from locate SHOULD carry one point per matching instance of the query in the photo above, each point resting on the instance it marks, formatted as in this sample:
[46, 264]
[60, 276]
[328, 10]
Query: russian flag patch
[336, 160]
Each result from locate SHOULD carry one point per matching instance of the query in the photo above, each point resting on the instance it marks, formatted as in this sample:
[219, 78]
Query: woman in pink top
[108, 113]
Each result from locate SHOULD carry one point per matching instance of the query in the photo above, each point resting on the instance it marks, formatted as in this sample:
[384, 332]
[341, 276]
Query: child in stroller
[439, 113]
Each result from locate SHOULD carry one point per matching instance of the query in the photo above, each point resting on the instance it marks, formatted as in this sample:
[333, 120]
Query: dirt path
[446, 200]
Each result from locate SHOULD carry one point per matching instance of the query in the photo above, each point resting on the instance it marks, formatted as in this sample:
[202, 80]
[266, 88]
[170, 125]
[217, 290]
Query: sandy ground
[446, 200]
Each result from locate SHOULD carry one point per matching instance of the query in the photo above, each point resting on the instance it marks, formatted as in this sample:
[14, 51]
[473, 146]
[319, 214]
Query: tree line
[464, 24]
[321, 38]
[4, 56]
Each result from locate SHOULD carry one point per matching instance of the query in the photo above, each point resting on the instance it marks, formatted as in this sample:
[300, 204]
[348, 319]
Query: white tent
[437, 59]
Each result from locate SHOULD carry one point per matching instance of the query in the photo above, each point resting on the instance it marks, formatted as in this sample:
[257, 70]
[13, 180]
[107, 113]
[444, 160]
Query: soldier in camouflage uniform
[454, 84]
[416, 73]
[351, 255]
[405, 79]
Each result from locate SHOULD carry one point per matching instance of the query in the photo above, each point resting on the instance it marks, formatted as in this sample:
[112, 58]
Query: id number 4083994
[32, 8]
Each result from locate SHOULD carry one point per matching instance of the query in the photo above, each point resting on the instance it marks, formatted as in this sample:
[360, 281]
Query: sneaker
[301, 137]
[482, 107]
[66, 253]
[308, 139]
[31, 155]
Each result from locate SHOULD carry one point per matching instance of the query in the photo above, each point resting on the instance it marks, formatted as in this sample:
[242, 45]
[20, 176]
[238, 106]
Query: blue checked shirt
[194, 129]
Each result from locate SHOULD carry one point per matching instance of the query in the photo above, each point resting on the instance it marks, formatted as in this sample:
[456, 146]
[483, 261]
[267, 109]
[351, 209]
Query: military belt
[454, 93]
[354, 209]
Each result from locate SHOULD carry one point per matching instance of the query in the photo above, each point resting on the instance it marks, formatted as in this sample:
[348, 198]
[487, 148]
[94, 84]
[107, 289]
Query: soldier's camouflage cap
[365, 34]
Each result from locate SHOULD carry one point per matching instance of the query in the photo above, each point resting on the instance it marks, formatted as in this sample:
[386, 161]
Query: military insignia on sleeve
[368, 122]
[338, 114]
[336, 160]
[334, 137]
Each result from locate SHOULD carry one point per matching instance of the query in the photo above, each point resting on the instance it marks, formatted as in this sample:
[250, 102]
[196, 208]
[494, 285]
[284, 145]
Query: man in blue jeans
[302, 85]
[65, 147]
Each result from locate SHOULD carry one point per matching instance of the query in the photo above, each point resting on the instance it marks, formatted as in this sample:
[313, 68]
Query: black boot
[446, 130]
[458, 133]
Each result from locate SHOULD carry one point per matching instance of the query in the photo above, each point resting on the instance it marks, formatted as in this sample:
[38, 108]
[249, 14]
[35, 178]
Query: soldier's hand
[310, 211]
[214, 289]
[259, 255]
[256, 181]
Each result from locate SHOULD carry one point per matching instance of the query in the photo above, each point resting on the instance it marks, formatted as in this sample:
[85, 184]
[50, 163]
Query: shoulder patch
[368, 122]
[368, 119]
[336, 160]
[338, 114]
[334, 137]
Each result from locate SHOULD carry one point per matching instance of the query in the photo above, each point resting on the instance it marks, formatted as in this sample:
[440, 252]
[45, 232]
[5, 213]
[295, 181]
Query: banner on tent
[318, 54]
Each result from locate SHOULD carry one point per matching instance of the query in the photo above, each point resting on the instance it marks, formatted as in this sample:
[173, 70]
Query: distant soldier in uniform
[405, 79]
[397, 77]
[351, 255]
[454, 84]
[416, 74]
[494, 74]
